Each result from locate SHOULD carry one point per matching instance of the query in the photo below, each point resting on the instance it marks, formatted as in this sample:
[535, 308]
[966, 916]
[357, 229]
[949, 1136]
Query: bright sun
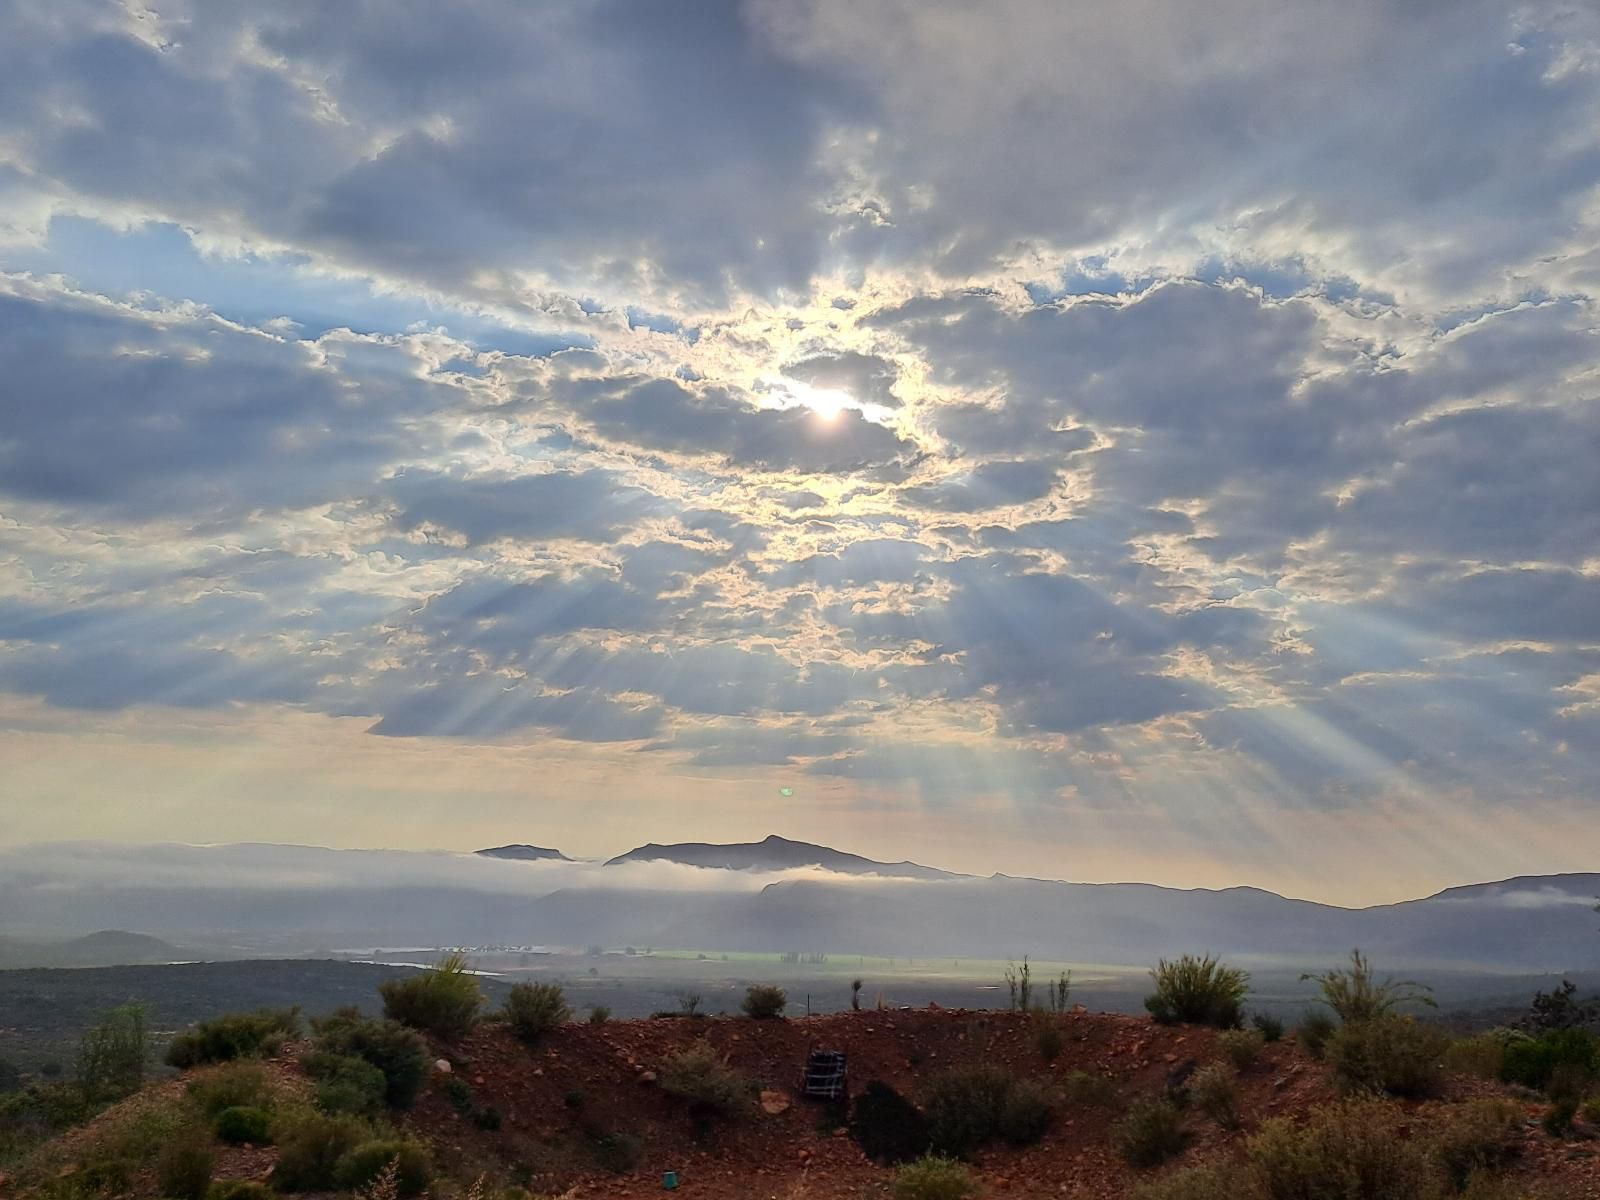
[826, 403]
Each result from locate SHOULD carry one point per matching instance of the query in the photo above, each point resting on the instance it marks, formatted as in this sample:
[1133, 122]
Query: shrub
[1241, 1047]
[1150, 1133]
[1558, 1118]
[111, 1056]
[599, 1015]
[1537, 1062]
[534, 1009]
[764, 1000]
[888, 1127]
[1214, 1091]
[236, 1085]
[1027, 1112]
[444, 999]
[1313, 1032]
[309, 1150]
[616, 1152]
[183, 1172]
[703, 1077]
[1049, 1042]
[413, 1168]
[1089, 1091]
[239, 1189]
[399, 1053]
[241, 1125]
[1270, 1028]
[934, 1178]
[1396, 1055]
[1214, 1182]
[237, 1035]
[1198, 991]
[1480, 1135]
[1482, 1056]
[346, 1084]
[1346, 1150]
[964, 1108]
[1357, 995]
[1590, 1109]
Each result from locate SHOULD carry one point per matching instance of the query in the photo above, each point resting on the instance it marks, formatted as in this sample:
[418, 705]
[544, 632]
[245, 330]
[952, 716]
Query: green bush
[1395, 1055]
[1357, 995]
[1270, 1028]
[1241, 1047]
[309, 1150]
[1214, 1091]
[1313, 1032]
[964, 1108]
[1482, 1056]
[1481, 1135]
[396, 1051]
[109, 1176]
[1150, 1133]
[241, 1125]
[1027, 1113]
[346, 1084]
[934, 1178]
[1348, 1151]
[234, 1085]
[413, 1167]
[703, 1077]
[239, 1189]
[1558, 1118]
[1539, 1061]
[764, 1000]
[534, 1009]
[1590, 1109]
[888, 1127]
[599, 1015]
[183, 1171]
[237, 1035]
[1089, 1091]
[444, 999]
[1049, 1041]
[1198, 991]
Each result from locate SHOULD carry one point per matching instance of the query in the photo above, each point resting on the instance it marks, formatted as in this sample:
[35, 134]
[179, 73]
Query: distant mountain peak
[521, 852]
[774, 853]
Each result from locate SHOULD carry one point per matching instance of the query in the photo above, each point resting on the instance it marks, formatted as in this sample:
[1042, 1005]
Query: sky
[1097, 442]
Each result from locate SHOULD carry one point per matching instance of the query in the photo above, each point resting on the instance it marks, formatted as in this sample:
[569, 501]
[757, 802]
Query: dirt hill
[583, 1113]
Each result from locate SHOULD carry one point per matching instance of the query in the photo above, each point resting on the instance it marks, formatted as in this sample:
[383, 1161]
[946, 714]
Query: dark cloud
[138, 414]
[664, 415]
[590, 505]
[866, 377]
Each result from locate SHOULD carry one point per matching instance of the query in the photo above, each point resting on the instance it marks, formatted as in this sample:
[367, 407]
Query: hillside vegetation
[448, 1094]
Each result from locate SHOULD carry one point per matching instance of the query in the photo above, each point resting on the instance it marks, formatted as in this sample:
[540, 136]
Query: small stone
[647, 1076]
[442, 1066]
[774, 1102]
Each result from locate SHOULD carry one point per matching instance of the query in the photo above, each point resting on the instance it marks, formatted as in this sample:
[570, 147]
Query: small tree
[1019, 981]
[1356, 994]
[112, 1055]
[855, 995]
[1059, 991]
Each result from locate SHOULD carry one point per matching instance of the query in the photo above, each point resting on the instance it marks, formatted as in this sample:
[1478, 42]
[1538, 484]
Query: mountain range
[758, 897]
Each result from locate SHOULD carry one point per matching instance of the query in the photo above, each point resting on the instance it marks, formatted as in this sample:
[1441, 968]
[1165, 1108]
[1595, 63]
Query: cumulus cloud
[1221, 390]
